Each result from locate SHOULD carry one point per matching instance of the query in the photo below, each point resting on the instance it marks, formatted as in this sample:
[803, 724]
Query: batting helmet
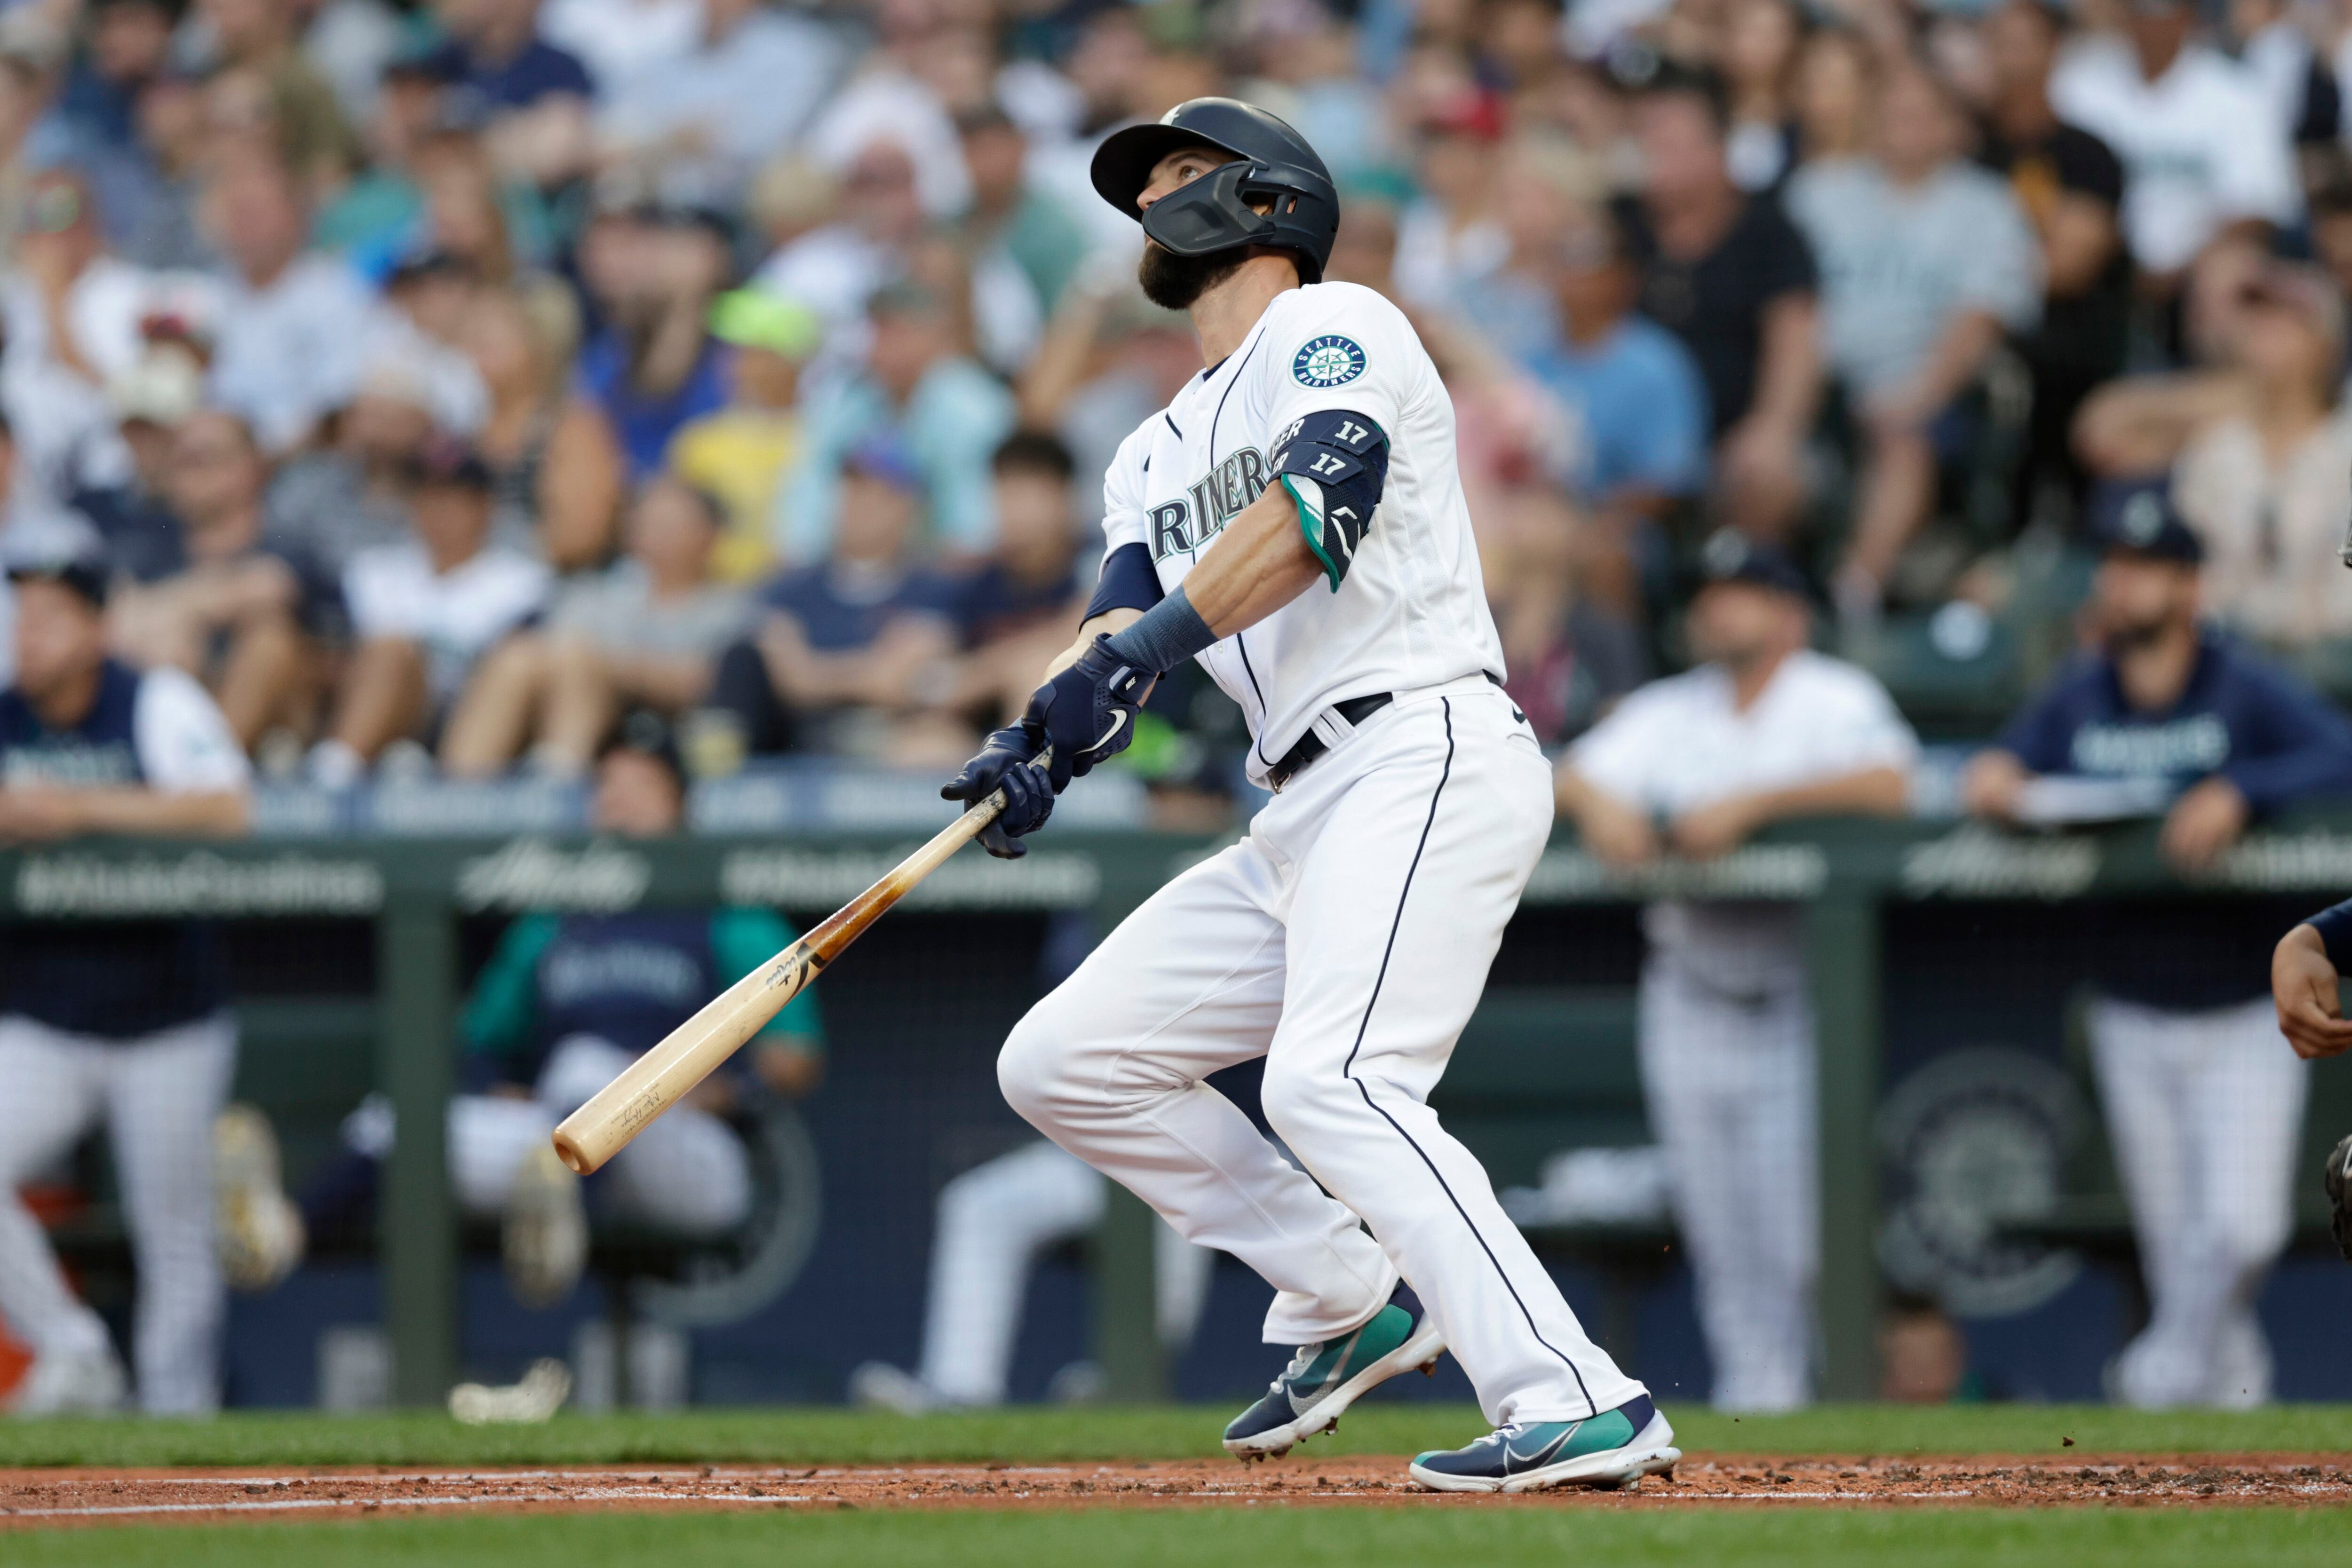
[1274, 165]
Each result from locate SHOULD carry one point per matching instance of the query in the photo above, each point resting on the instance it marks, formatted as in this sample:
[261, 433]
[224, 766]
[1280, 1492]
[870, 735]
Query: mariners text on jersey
[1409, 609]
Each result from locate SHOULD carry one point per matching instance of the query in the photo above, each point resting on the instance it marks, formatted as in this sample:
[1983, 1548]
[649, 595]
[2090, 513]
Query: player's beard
[1173, 282]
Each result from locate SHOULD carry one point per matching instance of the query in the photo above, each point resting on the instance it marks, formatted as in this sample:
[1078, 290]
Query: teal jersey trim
[1311, 527]
[743, 939]
[503, 1012]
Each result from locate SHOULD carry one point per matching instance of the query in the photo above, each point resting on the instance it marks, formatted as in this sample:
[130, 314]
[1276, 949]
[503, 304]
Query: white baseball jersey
[1411, 612]
[1682, 742]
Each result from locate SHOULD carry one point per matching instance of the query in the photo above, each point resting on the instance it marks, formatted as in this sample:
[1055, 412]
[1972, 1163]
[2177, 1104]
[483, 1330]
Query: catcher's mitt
[2339, 1196]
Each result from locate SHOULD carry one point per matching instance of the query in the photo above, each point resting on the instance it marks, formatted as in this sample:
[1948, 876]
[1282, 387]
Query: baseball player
[120, 1019]
[2303, 991]
[2203, 1104]
[1294, 520]
[1762, 730]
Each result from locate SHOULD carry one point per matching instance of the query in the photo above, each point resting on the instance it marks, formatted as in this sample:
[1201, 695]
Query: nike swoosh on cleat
[1537, 1457]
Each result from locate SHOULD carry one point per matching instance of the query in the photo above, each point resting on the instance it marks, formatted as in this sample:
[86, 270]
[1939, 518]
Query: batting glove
[1086, 713]
[1006, 762]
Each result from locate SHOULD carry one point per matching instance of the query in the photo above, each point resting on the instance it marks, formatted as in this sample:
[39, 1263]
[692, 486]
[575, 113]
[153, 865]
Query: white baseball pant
[1730, 1084]
[1345, 939]
[686, 1173]
[2205, 1112]
[994, 1220]
[158, 1095]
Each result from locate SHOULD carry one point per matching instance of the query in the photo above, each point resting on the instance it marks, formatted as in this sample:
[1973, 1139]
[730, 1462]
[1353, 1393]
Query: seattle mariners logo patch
[1329, 361]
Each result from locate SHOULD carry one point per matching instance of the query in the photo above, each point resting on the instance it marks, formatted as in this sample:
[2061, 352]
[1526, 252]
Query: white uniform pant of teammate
[2205, 1111]
[994, 1220]
[1345, 939]
[686, 1173]
[158, 1095]
[1731, 1085]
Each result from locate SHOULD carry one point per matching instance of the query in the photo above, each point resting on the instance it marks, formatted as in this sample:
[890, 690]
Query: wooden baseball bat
[665, 1074]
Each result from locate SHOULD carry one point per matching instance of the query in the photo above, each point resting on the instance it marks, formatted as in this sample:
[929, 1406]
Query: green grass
[1706, 1536]
[845, 1437]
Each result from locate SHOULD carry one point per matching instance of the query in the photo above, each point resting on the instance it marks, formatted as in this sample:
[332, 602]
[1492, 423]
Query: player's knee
[1030, 1069]
[1296, 1101]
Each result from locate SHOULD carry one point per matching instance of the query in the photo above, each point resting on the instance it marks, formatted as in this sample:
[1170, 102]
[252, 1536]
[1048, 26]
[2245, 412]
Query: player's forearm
[1260, 563]
[210, 813]
[1873, 792]
[1111, 623]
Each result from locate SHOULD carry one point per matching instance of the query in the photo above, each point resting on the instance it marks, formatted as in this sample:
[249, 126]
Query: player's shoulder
[1326, 335]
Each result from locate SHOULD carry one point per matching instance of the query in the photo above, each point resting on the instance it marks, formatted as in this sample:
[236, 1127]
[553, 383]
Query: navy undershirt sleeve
[1130, 582]
[2335, 928]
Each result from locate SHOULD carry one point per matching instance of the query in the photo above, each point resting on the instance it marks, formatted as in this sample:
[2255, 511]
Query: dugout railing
[1850, 876]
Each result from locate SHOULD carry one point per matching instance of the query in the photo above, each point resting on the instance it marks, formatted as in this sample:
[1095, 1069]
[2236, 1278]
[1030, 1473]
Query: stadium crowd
[439, 384]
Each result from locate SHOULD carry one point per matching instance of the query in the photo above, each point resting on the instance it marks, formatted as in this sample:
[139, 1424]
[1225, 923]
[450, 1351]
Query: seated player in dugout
[565, 1002]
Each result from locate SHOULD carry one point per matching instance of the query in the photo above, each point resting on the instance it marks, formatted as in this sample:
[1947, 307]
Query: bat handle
[992, 807]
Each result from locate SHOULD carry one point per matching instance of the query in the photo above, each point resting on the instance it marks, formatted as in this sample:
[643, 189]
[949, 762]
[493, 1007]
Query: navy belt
[1355, 710]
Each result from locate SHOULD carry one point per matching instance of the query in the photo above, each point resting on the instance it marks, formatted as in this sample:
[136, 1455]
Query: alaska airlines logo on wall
[200, 882]
[1973, 1143]
[1329, 361]
[531, 874]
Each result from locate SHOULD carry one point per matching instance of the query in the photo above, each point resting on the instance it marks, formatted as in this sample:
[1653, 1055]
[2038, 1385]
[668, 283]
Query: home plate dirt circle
[36, 1498]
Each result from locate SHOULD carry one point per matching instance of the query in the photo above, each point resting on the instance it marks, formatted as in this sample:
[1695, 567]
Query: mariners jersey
[1409, 612]
[119, 979]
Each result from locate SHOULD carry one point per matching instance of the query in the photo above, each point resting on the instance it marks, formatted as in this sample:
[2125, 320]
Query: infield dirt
[36, 1498]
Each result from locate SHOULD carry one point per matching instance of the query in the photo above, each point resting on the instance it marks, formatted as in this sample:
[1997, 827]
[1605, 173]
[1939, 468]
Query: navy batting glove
[1086, 713]
[1006, 762]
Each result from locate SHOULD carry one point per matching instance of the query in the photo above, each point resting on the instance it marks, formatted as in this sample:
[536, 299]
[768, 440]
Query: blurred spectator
[740, 452]
[703, 120]
[134, 521]
[614, 39]
[1451, 236]
[2275, 46]
[566, 1002]
[2203, 1098]
[645, 633]
[125, 1020]
[225, 602]
[1925, 262]
[2264, 484]
[155, 201]
[918, 393]
[1760, 42]
[2203, 154]
[377, 208]
[1021, 607]
[256, 38]
[1011, 214]
[128, 46]
[651, 368]
[352, 494]
[2071, 187]
[835, 267]
[1834, 74]
[1761, 731]
[855, 651]
[1729, 275]
[535, 98]
[520, 344]
[423, 611]
[294, 324]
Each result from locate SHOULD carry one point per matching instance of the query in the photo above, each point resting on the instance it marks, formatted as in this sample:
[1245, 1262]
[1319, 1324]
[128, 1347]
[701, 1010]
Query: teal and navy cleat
[1323, 1379]
[1611, 1451]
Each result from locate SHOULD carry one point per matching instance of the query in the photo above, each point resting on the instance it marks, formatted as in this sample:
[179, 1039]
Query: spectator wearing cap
[740, 452]
[151, 401]
[1762, 730]
[855, 652]
[2203, 1097]
[1727, 274]
[652, 276]
[130, 1020]
[1011, 214]
[423, 612]
[1453, 234]
[2204, 153]
[72, 314]
[835, 267]
[647, 633]
[213, 595]
[352, 493]
[535, 101]
[703, 121]
[1925, 263]
[921, 397]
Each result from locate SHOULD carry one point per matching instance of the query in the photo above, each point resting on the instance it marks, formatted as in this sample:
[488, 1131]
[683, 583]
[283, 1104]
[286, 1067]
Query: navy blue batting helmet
[1272, 166]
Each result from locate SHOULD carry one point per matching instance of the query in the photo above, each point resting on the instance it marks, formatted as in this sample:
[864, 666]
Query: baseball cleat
[540, 1393]
[878, 1386]
[1324, 1378]
[543, 1240]
[256, 1230]
[1612, 1451]
[71, 1382]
